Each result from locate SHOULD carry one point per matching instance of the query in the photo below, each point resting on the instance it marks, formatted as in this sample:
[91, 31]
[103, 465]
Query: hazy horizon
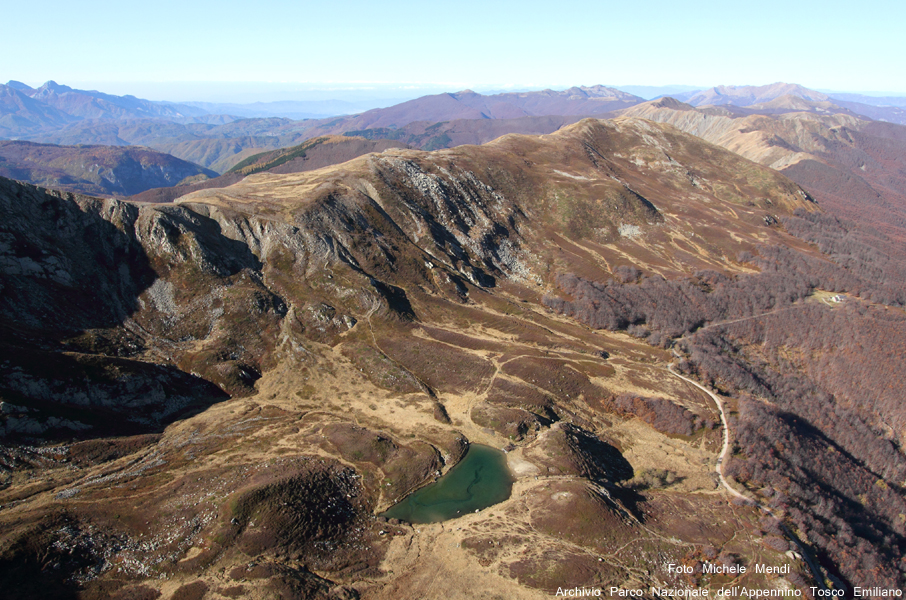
[376, 95]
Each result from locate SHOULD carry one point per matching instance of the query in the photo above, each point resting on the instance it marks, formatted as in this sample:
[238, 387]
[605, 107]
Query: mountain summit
[467, 104]
[746, 95]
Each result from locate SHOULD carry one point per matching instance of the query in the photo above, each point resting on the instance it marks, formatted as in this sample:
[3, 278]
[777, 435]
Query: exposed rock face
[214, 285]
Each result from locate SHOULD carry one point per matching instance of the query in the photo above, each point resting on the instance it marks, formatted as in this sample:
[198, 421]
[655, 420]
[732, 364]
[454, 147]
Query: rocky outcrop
[162, 308]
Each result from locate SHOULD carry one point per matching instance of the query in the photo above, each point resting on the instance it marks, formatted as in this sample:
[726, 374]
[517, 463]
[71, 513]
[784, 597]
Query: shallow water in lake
[479, 480]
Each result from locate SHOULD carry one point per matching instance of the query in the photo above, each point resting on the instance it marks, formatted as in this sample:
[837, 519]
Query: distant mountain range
[871, 100]
[24, 109]
[657, 91]
[218, 136]
[880, 109]
[747, 95]
[56, 114]
[297, 109]
[471, 105]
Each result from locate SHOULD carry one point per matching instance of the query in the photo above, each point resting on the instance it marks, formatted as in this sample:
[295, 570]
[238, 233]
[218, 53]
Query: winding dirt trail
[816, 570]
[718, 468]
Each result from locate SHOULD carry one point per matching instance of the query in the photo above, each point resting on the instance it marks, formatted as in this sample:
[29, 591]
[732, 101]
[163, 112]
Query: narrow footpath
[817, 571]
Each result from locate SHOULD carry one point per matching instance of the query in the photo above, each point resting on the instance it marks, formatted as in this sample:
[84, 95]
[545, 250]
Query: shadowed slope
[97, 170]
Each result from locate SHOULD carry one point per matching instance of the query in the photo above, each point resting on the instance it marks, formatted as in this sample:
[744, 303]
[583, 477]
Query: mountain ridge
[312, 154]
[98, 105]
[758, 97]
[214, 140]
[838, 156]
[746, 95]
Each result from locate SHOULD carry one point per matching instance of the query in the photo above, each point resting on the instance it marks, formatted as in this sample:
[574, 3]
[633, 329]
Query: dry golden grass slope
[776, 141]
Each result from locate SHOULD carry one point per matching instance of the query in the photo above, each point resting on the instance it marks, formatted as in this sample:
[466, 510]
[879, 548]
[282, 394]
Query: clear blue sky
[481, 44]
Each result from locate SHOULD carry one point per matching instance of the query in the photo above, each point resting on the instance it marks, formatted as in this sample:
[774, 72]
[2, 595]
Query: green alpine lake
[479, 480]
